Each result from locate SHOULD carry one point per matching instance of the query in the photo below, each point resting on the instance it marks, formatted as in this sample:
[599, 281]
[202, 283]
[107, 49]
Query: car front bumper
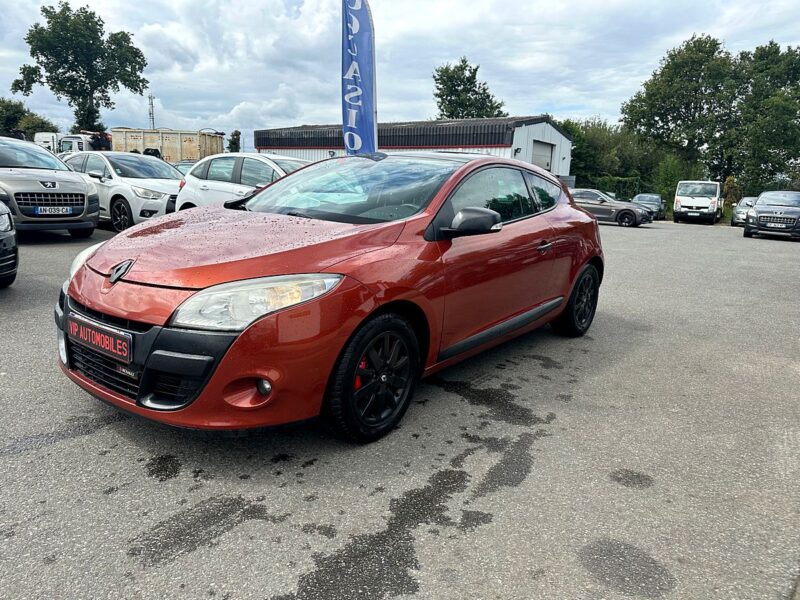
[207, 380]
[89, 222]
[699, 213]
[760, 228]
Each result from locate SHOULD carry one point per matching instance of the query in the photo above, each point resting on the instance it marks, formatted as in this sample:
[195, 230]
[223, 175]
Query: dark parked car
[606, 208]
[9, 256]
[774, 213]
[653, 203]
[739, 214]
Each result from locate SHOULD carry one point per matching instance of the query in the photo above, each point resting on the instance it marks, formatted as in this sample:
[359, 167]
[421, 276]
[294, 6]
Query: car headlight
[82, 257]
[5, 223]
[751, 215]
[233, 306]
[147, 194]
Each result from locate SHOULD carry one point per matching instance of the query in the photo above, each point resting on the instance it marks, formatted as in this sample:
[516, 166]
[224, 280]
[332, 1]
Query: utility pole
[152, 113]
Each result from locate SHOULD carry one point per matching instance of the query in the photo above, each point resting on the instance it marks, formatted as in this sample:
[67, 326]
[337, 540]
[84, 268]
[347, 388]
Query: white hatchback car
[132, 187]
[222, 177]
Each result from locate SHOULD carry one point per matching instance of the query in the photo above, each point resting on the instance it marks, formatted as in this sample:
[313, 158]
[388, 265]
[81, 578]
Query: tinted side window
[256, 173]
[547, 193]
[76, 162]
[95, 163]
[501, 189]
[199, 171]
[221, 169]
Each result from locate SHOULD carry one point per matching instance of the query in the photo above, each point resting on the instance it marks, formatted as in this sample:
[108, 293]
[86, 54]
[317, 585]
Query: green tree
[688, 101]
[731, 191]
[670, 170]
[77, 60]
[459, 94]
[235, 141]
[14, 116]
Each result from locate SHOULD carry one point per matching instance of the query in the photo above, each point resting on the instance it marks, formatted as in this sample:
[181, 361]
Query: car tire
[626, 219]
[186, 206]
[121, 215]
[675, 219]
[374, 379]
[7, 280]
[579, 313]
[747, 233]
[81, 234]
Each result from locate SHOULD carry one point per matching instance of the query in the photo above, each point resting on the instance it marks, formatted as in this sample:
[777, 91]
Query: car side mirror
[748, 203]
[473, 221]
[96, 175]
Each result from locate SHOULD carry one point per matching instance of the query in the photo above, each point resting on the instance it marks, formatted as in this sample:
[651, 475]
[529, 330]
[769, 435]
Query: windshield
[142, 167]
[23, 155]
[697, 188]
[289, 166]
[357, 189]
[779, 199]
[648, 198]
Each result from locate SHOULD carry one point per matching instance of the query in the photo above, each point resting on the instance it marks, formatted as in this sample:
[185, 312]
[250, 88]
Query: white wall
[315, 155]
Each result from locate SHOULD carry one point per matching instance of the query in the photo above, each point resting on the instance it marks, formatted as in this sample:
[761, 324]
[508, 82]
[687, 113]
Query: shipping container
[173, 145]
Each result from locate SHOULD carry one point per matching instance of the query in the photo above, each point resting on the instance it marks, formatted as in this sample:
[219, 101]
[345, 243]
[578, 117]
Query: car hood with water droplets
[201, 247]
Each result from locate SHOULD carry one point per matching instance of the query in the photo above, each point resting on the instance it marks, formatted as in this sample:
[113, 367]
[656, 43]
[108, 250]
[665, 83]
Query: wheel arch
[416, 317]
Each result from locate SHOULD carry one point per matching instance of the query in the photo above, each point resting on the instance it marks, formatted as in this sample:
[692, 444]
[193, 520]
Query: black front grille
[776, 219]
[104, 371]
[8, 261]
[174, 389]
[31, 199]
[118, 322]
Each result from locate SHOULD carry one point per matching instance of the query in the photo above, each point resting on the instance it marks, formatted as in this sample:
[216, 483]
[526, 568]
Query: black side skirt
[500, 329]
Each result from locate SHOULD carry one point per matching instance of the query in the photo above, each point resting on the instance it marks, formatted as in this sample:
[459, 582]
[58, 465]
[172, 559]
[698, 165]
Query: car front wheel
[579, 313]
[7, 280]
[748, 233]
[121, 217]
[626, 219]
[374, 380]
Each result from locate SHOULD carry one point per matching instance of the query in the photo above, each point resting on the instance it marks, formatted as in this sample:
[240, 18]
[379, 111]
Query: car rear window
[289, 166]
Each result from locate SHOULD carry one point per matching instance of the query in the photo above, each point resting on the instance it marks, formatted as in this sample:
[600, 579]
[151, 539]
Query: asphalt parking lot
[658, 457]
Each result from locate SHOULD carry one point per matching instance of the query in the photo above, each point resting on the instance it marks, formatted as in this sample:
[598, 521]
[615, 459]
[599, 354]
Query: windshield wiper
[297, 213]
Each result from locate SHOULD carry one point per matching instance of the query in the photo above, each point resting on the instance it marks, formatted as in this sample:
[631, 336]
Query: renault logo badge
[120, 270]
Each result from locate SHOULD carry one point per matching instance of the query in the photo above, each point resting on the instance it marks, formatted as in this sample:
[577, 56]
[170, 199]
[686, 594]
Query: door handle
[203, 187]
[544, 246]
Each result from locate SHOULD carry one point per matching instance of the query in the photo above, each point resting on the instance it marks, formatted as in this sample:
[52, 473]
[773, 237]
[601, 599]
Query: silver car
[43, 193]
[739, 214]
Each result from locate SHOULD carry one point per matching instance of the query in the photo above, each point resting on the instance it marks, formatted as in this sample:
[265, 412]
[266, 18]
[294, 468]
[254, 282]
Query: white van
[47, 139]
[697, 200]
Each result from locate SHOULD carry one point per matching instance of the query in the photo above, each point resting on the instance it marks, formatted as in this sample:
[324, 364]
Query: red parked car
[332, 291]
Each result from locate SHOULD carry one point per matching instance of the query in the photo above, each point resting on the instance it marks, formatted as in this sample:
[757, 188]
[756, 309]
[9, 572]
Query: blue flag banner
[359, 108]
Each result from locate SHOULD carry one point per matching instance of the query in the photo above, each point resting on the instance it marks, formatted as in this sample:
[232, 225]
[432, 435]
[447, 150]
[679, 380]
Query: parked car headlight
[751, 215]
[148, 194]
[5, 223]
[82, 257]
[233, 306]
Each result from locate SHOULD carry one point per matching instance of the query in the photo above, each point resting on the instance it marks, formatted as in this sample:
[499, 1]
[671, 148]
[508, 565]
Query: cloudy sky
[267, 63]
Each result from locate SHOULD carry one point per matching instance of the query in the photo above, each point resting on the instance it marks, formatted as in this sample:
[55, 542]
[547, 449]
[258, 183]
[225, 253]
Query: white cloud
[246, 64]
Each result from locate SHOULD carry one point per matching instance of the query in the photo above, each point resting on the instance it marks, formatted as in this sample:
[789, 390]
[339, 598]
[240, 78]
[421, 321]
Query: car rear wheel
[626, 219]
[579, 313]
[81, 234]
[374, 380]
[121, 216]
[7, 280]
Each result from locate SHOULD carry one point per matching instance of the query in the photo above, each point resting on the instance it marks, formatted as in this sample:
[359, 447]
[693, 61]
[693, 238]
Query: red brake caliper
[361, 365]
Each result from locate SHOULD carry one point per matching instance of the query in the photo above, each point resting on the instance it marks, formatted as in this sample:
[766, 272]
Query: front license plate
[776, 225]
[694, 214]
[110, 342]
[53, 210]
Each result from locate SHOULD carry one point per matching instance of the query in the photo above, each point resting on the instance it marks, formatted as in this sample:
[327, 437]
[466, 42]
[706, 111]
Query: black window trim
[203, 170]
[432, 231]
[237, 169]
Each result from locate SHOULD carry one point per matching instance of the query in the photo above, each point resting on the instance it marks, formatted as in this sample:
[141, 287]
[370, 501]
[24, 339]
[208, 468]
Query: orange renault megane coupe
[331, 291]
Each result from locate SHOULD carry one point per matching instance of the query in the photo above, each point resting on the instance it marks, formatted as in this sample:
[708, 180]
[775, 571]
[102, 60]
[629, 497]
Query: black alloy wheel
[580, 310]
[626, 219]
[121, 217]
[382, 379]
[374, 379]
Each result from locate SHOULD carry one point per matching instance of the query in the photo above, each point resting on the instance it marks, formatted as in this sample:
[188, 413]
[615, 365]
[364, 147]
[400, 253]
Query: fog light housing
[146, 214]
[264, 387]
[62, 347]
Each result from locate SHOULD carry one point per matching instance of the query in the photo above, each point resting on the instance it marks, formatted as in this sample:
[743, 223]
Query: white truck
[698, 200]
[169, 144]
[47, 139]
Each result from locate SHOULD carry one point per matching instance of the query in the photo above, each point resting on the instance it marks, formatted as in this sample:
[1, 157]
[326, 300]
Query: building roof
[448, 133]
